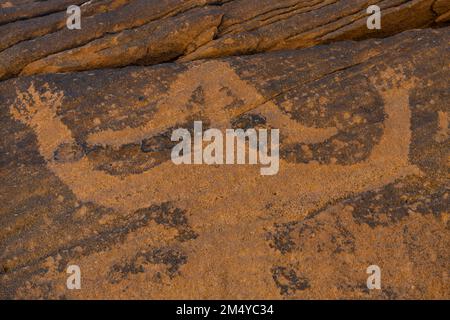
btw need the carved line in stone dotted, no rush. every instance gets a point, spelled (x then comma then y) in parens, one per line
(313, 182)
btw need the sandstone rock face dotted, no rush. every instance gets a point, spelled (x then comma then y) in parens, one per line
(86, 176)
(122, 32)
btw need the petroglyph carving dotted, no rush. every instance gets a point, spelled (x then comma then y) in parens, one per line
(212, 77)
(388, 160)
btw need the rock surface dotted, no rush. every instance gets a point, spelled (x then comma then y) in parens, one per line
(86, 176)
(122, 32)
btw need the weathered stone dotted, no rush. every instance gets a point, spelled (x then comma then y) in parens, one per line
(134, 14)
(113, 31)
(11, 11)
(152, 43)
(86, 176)
(28, 29)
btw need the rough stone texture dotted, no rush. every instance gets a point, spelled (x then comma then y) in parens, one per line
(86, 176)
(122, 32)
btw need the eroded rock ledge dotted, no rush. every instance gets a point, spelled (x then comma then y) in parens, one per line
(86, 176)
(141, 32)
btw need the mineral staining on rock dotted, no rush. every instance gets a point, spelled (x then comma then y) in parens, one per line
(86, 175)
